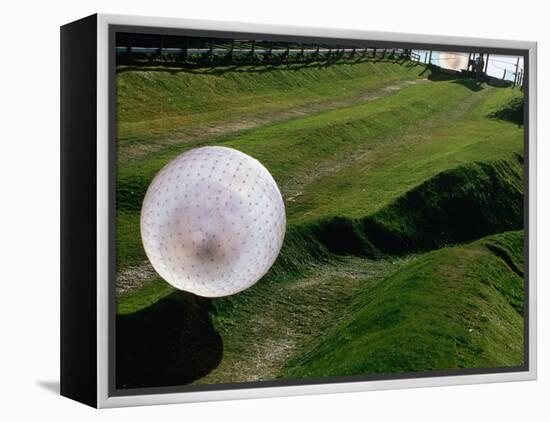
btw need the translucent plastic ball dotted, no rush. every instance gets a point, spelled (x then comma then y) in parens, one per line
(213, 221)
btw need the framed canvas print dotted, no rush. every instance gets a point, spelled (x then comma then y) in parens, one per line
(253, 210)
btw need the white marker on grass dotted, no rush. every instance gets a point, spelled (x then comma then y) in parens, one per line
(213, 221)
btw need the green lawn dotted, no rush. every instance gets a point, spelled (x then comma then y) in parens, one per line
(367, 155)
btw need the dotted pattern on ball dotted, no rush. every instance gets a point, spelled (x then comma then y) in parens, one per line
(213, 221)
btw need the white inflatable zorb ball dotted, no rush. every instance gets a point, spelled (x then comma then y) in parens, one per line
(213, 221)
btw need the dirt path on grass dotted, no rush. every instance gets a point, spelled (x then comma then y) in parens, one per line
(134, 277)
(132, 150)
(286, 317)
(369, 153)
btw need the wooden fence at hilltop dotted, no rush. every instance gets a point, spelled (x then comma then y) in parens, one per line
(182, 51)
(193, 51)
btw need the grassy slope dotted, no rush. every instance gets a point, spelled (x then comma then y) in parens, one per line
(452, 308)
(156, 104)
(359, 156)
(352, 160)
(458, 205)
(309, 289)
(268, 325)
(458, 307)
(140, 91)
(456, 131)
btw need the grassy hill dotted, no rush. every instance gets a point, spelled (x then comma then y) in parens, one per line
(457, 307)
(382, 166)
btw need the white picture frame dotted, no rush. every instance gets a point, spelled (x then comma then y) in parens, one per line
(103, 259)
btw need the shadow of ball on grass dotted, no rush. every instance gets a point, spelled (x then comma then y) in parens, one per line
(172, 342)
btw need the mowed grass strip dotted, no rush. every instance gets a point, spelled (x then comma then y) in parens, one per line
(411, 154)
(156, 104)
(293, 148)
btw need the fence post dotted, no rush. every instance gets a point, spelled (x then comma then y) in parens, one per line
(374, 53)
(211, 52)
(430, 59)
(129, 52)
(522, 78)
(516, 72)
(161, 47)
(185, 48)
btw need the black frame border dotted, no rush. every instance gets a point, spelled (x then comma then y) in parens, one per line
(78, 211)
